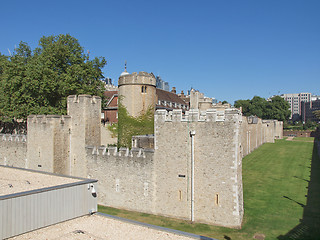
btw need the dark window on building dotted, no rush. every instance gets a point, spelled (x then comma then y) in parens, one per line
(144, 89)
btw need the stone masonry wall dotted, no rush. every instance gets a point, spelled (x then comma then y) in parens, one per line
(106, 136)
(13, 150)
(57, 143)
(126, 178)
(49, 143)
(85, 130)
(255, 132)
(158, 181)
(218, 174)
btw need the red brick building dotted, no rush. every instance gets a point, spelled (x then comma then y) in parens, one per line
(110, 110)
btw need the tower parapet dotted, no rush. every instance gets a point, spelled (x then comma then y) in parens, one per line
(194, 115)
(143, 78)
(84, 98)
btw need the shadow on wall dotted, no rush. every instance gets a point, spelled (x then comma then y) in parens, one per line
(309, 227)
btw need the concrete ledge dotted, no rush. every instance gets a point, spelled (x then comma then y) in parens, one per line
(46, 189)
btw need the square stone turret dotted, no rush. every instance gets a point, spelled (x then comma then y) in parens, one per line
(85, 111)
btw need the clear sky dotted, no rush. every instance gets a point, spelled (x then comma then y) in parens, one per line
(227, 49)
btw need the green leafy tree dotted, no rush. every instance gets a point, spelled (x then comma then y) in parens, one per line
(309, 125)
(277, 108)
(317, 114)
(245, 106)
(257, 106)
(39, 81)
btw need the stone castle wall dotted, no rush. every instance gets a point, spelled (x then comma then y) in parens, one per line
(126, 178)
(57, 143)
(217, 177)
(160, 182)
(150, 181)
(85, 111)
(255, 132)
(166, 175)
(48, 143)
(13, 150)
(106, 136)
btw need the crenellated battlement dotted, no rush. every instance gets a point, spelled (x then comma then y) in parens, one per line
(194, 115)
(13, 138)
(137, 78)
(48, 119)
(123, 152)
(84, 98)
(271, 121)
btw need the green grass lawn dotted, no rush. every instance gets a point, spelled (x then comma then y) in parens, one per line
(276, 179)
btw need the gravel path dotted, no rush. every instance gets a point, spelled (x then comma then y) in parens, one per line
(98, 227)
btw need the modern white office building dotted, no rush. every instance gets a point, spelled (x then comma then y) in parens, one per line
(295, 99)
(315, 97)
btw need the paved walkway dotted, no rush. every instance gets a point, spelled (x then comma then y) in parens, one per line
(297, 139)
(104, 227)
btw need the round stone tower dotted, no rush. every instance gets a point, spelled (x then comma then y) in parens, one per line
(137, 92)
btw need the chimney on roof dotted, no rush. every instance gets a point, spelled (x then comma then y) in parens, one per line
(182, 93)
(173, 90)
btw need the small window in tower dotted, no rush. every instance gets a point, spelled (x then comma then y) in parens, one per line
(144, 89)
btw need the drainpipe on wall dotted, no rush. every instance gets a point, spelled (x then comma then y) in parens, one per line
(70, 156)
(249, 142)
(192, 134)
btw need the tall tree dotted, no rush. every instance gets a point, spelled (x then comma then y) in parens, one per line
(258, 106)
(317, 114)
(39, 81)
(277, 108)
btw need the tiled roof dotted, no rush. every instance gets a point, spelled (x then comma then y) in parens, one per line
(169, 97)
(109, 94)
(110, 97)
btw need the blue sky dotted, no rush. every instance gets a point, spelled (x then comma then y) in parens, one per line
(227, 49)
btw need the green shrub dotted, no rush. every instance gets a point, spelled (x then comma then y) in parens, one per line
(129, 126)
